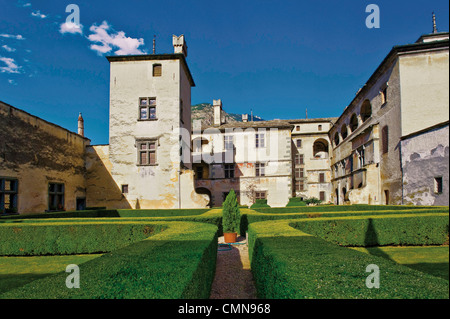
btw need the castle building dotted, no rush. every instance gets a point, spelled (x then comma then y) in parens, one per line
(389, 146)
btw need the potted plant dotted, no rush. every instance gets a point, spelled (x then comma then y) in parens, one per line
(231, 217)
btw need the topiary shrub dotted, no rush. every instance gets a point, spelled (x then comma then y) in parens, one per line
(312, 201)
(260, 203)
(231, 213)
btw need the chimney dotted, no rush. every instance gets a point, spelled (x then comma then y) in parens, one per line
(434, 24)
(245, 118)
(179, 45)
(80, 125)
(217, 104)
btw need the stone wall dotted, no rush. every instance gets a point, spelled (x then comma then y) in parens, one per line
(36, 153)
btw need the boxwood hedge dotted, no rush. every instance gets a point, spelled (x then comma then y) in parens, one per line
(178, 262)
(249, 216)
(56, 238)
(288, 263)
(375, 230)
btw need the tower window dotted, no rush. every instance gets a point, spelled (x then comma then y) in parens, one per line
(147, 108)
(147, 152)
(157, 69)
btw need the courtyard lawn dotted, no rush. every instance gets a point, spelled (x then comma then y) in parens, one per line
(430, 259)
(18, 271)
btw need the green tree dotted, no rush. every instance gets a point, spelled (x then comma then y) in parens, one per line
(231, 213)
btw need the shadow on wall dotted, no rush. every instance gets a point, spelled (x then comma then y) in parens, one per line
(101, 189)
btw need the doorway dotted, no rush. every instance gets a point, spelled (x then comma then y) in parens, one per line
(81, 203)
(386, 196)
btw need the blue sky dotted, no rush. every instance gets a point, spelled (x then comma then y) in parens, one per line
(275, 57)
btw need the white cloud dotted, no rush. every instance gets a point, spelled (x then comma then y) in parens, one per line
(38, 14)
(26, 5)
(12, 36)
(12, 82)
(71, 27)
(11, 66)
(109, 40)
(7, 48)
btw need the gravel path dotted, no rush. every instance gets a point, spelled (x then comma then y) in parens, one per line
(234, 279)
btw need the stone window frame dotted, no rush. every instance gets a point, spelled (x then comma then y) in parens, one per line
(322, 178)
(56, 190)
(323, 196)
(297, 142)
(12, 192)
(260, 169)
(228, 170)
(228, 142)
(147, 106)
(299, 159)
(299, 173)
(260, 140)
(260, 194)
(299, 185)
(157, 70)
(147, 150)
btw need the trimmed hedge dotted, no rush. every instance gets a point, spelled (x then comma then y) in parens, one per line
(260, 203)
(176, 263)
(101, 212)
(290, 264)
(249, 216)
(54, 238)
(392, 230)
(295, 202)
(342, 208)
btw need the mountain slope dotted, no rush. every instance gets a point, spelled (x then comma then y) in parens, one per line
(205, 113)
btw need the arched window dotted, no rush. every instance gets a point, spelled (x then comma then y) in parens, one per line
(353, 123)
(366, 110)
(320, 148)
(336, 139)
(344, 132)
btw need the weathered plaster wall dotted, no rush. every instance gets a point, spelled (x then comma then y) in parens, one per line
(424, 90)
(424, 157)
(276, 155)
(313, 165)
(150, 186)
(37, 153)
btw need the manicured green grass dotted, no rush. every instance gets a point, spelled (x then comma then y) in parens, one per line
(430, 259)
(18, 271)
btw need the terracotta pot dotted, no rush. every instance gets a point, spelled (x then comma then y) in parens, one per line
(230, 237)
